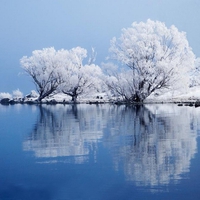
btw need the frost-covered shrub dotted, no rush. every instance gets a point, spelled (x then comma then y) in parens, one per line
(34, 94)
(5, 95)
(17, 94)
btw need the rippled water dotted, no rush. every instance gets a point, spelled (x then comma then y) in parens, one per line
(57, 152)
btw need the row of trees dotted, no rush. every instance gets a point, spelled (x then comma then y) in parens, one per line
(147, 57)
(61, 71)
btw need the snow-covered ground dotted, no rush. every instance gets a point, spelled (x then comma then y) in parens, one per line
(97, 97)
(192, 95)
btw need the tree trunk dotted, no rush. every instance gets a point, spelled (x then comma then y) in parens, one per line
(74, 98)
(136, 98)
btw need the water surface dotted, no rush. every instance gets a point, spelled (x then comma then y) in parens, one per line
(61, 152)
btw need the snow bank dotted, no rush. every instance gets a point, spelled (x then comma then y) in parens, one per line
(192, 95)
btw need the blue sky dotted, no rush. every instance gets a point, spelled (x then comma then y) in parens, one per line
(27, 25)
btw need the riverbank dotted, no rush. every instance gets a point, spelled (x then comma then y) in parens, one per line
(189, 98)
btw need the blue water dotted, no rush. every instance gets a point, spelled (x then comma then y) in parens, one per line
(100, 152)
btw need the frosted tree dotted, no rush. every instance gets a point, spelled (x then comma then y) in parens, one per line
(195, 74)
(80, 78)
(153, 57)
(44, 68)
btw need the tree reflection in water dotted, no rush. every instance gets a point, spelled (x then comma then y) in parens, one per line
(153, 144)
(66, 131)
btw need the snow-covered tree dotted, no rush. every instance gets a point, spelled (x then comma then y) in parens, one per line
(44, 68)
(154, 57)
(120, 83)
(17, 94)
(195, 74)
(79, 78)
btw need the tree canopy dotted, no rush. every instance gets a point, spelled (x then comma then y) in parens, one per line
(44, 68)
(157, 57)
(80, 78)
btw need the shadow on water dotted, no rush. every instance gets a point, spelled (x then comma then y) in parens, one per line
(152, 144)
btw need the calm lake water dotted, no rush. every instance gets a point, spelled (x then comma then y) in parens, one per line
(99, 152)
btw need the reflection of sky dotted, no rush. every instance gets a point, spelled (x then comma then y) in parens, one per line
(152, 144)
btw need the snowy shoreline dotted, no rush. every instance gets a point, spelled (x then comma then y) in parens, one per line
(54, 101)
(191, 98)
